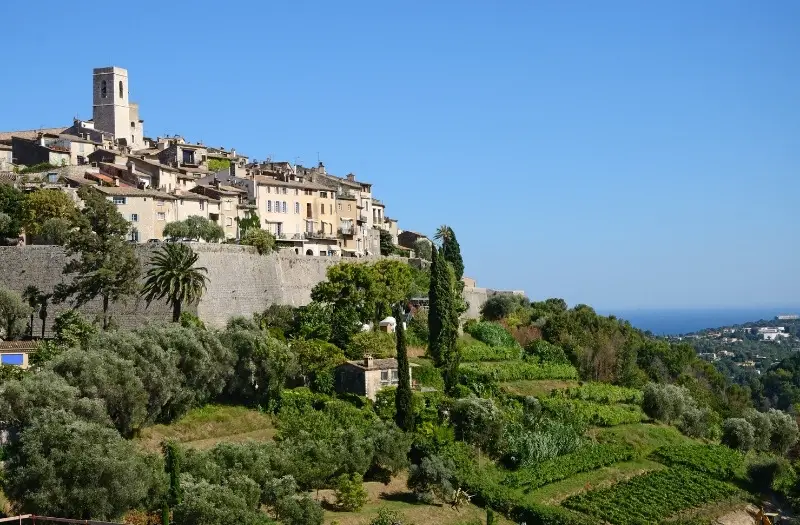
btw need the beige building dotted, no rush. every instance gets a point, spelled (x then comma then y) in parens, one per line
(147, 211)
(229, 198)
(368, 376)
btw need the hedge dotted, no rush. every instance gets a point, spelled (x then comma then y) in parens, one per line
(491, 333)
(602, 393)
(478, 351)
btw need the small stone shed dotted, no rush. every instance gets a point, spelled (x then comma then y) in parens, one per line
(367, 376)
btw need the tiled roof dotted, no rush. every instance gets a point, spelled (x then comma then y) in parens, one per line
(261, 179)
(8, 346)
(134, 192)
(377, 364)
(30, 133)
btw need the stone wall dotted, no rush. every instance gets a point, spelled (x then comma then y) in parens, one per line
(241, 282)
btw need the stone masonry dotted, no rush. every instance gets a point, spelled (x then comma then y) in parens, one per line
(241, 282)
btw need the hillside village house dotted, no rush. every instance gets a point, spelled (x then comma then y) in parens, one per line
(155, 181)
(368, 376)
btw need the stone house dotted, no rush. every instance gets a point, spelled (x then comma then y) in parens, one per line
(147, 211)
(368, 376)
(229, 197)
(407, 238)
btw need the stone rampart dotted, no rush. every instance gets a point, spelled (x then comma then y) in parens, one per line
(241, 282)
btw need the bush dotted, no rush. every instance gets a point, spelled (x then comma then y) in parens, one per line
(700, 423)
(490, 333)
(350, 492)
(418, 332)
(262, 240)
(433, 477)
(499, 307)
(375, 343)
(774, 473)
(299, 511)
(427, 375)
(477, 421)
(546, 352)
(738, 434)
(389, 517)
(514, 371)
(590, 413)
(472, 350)
(601, 393)
(529, 445)
(784, 431)
(665, 402)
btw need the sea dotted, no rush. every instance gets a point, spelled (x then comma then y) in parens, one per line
(684, 321)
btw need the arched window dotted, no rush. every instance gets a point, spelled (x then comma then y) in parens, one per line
(103, 89)
(120, 89)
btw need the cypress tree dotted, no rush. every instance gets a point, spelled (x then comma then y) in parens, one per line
(402, 397)
(173, 469)
(450, 356)
(452, 252)
(439, 298)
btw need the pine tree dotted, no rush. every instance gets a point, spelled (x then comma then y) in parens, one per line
(402, 397)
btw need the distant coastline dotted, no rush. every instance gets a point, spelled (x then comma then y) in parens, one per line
(684, 321)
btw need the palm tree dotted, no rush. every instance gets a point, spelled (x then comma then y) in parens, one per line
(443, 233)
(44, 299)
(172, 274)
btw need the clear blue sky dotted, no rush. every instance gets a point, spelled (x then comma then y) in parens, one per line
(620, 153)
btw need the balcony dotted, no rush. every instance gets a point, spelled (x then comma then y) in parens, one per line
(319, 235)
(363, 217)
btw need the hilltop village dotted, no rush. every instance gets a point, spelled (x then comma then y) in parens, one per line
(154, 182)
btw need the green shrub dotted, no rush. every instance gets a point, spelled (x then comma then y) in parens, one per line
(592, 413)
(473, 350)
(601, 393)
(715, 460)
(700, 423)
(427, 375)
(772, 472)
(738, 434)
(389, 517)
(515, 371)
(378, 344)
(490, 333)
(546, 352)
(350, 492)
(666, 402)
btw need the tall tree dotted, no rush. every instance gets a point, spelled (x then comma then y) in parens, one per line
(451, 250)
(12, 201)
(437, 305)
(31, 296)
(173, 275)
(443, 301)
(106, 265)
(172, 466)
(402, 396)
(42, 206)
(12, 309)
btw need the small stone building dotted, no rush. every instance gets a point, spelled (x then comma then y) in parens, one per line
(367, 376)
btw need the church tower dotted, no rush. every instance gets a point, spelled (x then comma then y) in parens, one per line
(112, 112)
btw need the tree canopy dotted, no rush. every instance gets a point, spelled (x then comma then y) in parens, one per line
(196, 228)
(173, 275)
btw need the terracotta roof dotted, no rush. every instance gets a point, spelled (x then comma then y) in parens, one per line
(151, 163)
(377, 364)
(134, 192)
(29, 133)
(262, 179)
(9, 346)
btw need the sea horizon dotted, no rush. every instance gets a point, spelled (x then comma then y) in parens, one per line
(676, 321)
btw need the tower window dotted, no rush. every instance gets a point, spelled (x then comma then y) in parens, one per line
(103, 89)
(120, 89)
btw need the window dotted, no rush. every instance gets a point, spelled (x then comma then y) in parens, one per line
(284, 191)
(323, 194)
(330, 209)
(395, 377)
(283, 207)
(277, 206)
(384, 377)
(269, 206)
(230, 221)
(134, 235)
(296, 191)
(119, 200)
(103, 89)
(181, 201)
(80, 147)
(322, 209)
(134, 217)
(309, 192)
(297, 207)
(202, 205)
(269, 189)
(161, 216)
(159, 202)
(349, 207)
(340, 206)
(133, 124)
(228, 205)
(120, 89)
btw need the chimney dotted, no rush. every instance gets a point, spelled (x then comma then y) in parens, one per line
(351, 177)
(369, 362)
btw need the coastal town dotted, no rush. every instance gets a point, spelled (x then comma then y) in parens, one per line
(156, 181)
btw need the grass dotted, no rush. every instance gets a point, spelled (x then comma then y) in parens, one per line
(395, 496)
(209, 425)
(644, 437)
(536, 387)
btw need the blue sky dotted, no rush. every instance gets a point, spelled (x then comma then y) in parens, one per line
(622, 154)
